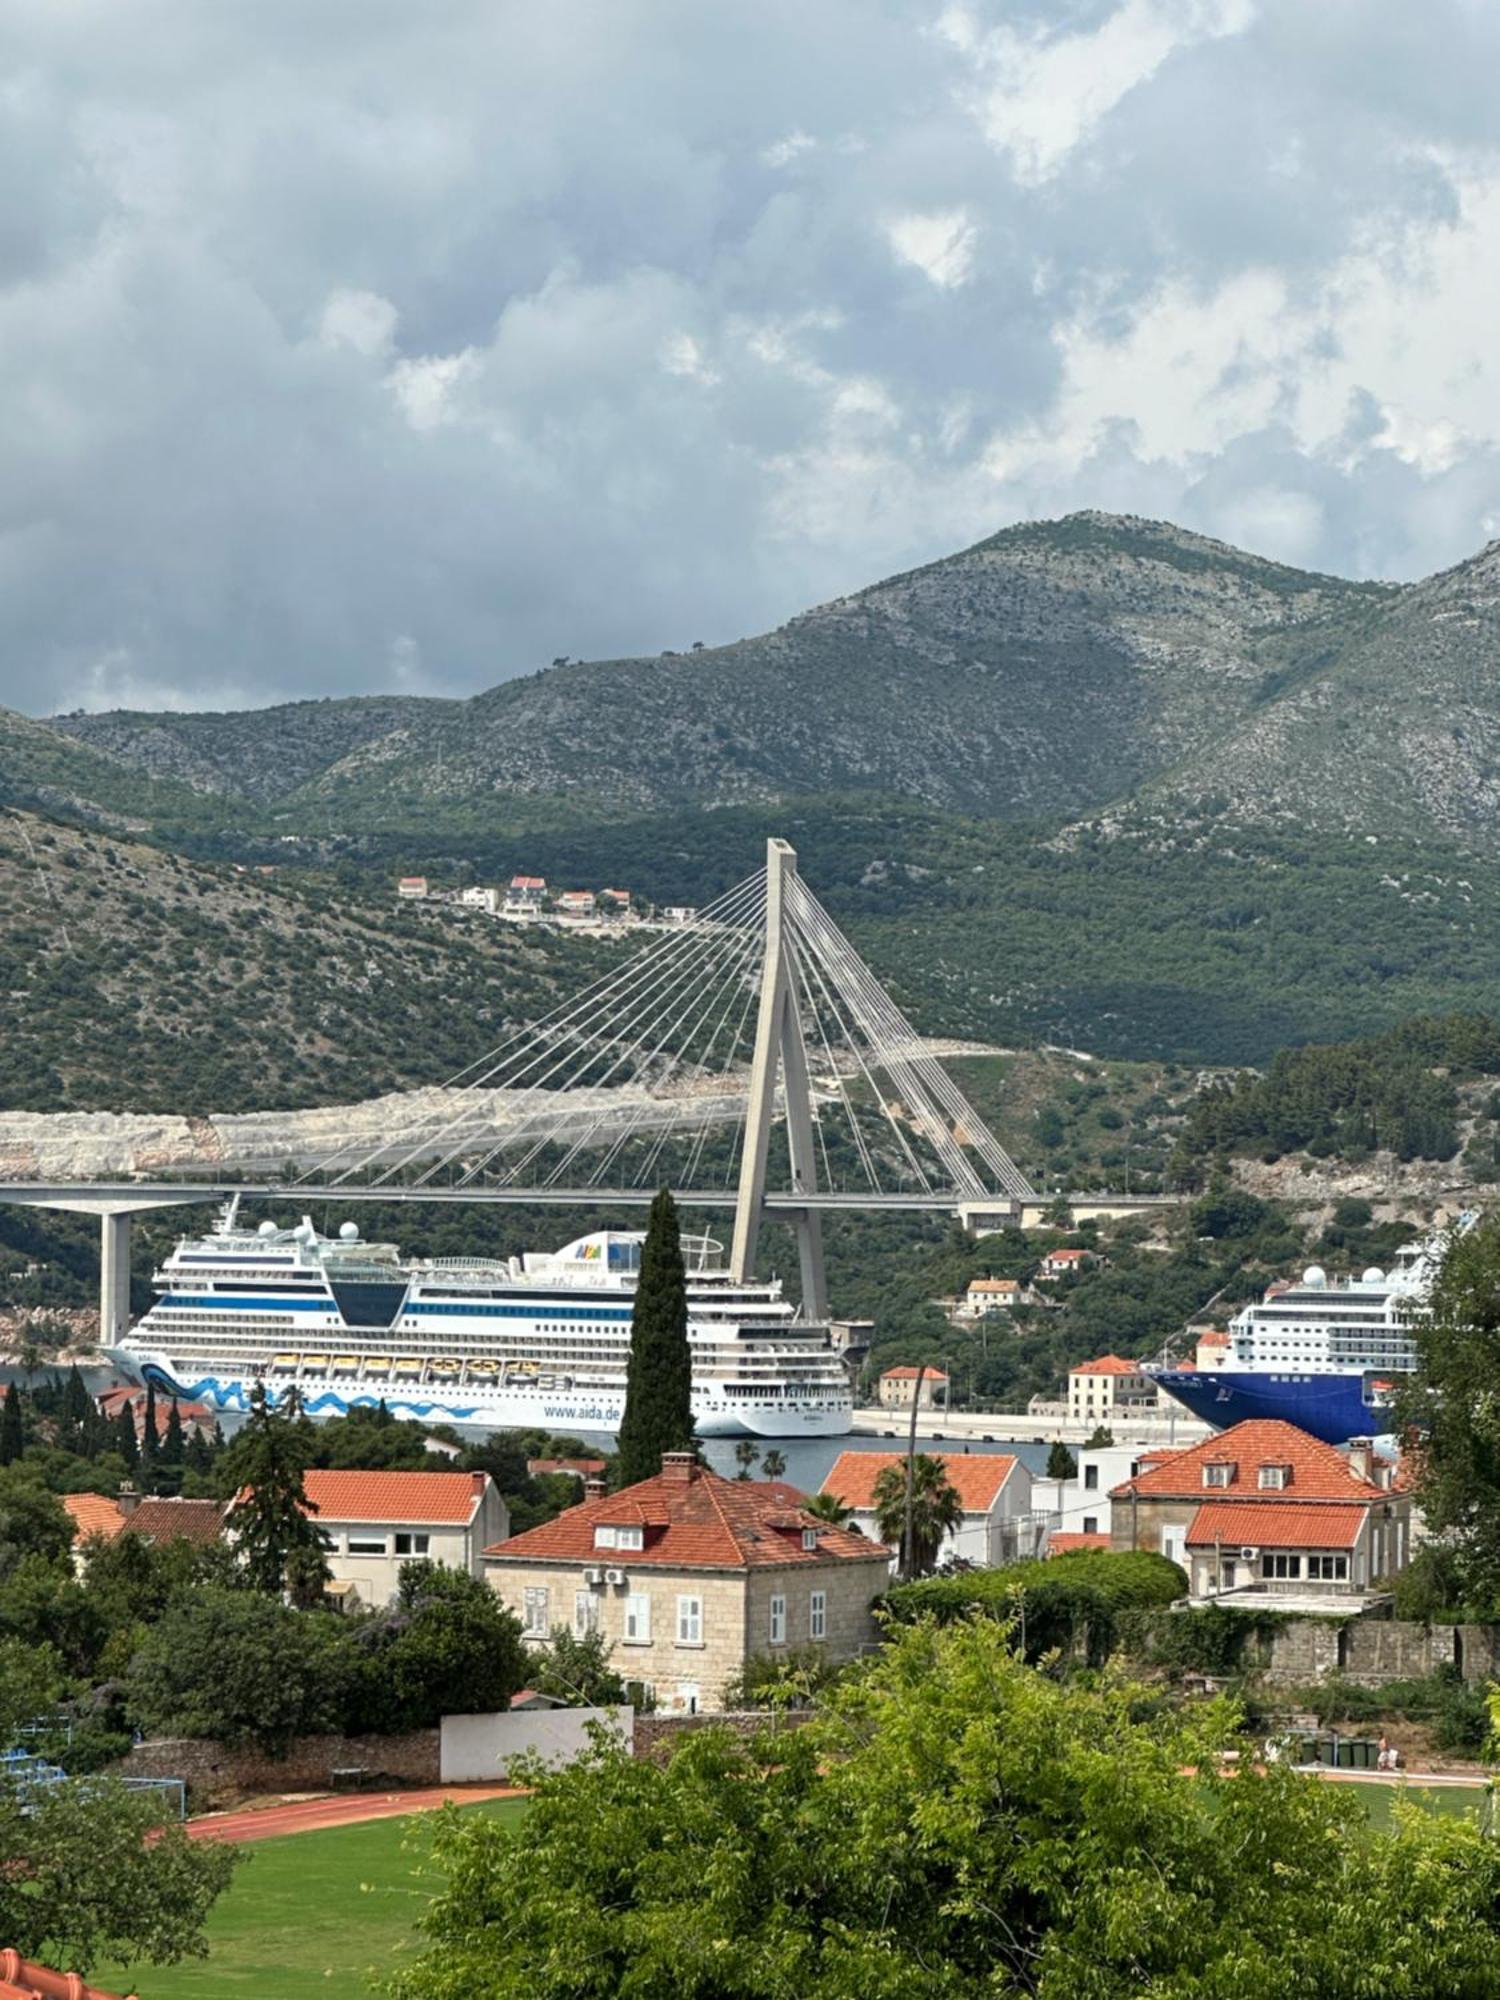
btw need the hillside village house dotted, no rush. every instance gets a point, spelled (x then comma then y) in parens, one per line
(1109, 1387)
(688, 1576)
(1066, 1263)
(479, 898)
(998, 1523)
(898, 1388)
(614, 902)
(577, 903)
(411, 888)
(526, 894)
(375, 1522)
(1264, 1513)
(994, 1295)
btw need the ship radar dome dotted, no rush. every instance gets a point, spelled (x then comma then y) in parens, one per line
(1374, 1276)
(1315, 1276)
(266, 1229)
(349, 1232)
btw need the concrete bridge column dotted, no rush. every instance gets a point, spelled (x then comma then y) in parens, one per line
(114, 1277)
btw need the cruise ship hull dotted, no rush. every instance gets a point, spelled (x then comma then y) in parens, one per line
(1332, 1407)
(717, 1412)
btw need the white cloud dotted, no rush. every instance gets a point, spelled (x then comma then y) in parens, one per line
(361, 321)
(940, 245)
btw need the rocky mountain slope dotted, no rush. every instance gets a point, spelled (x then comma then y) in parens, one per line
(1048, 670)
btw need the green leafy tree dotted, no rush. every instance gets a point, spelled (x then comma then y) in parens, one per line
(1061, 1464)
(239, 1667)
(89, 1870)
(33, 1521)
(658, 1413)
(447, 1647)
(12, 1431)
(829, 1507)
(953, 1823)
(31, 1680)
(1451, 1402)
(1100, 1438)
(773, 1464)
(270, 1519)
(936, 1510)
(577, 1671)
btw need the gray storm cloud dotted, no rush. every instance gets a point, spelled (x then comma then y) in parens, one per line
(364, 346)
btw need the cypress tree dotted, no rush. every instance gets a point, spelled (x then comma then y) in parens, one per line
(271, 1518)
(126, 1443)
(149, 1438)
(659, 1379)
(12, 1436)
(172, 1443)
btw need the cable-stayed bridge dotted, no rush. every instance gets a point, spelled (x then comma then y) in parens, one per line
(748, 1059)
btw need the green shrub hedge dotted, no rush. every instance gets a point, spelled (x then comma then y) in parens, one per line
(1070, 1605)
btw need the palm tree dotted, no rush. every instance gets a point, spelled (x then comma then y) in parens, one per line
(936, 1510)
(773, 1465)
(746, 1452)
(830, 1508)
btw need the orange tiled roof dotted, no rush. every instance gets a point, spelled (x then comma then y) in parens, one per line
(1064, 1256)
(692, 1522)
(994, 1284)
(21, 1980)
(977, 1477)
(166, 1520)
(1319, 1471)
(450, 1498)
(1069, 1544)
(908, 1374)
(1263, 1525)
(1107, 1364)
(93, 1514)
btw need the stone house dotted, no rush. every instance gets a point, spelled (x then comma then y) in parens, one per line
(984, 1295)
(1265, 1514)
(897, 1388)
(375, 1522)
(1109, 1387)
(995, 1489)
(688, 1576)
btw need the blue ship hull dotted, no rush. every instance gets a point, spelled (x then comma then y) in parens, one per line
(1332, 1407)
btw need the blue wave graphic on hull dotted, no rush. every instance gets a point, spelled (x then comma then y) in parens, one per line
(234, 1396)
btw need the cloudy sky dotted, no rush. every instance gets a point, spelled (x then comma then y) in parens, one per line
(350, 345)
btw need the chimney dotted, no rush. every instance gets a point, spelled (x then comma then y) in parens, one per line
(679, 1468)
(1362, 1457)
(128, 1499)
(593, 1487)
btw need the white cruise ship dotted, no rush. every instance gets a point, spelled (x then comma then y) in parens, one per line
(1321, 1353)
(539, 1340)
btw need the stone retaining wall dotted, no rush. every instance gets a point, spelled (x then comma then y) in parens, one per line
(212, 1768)
(660, 1736)
(1373, 1650)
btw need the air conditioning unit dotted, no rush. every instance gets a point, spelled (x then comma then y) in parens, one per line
(615, 1576)
(593, 1576)
(1249, 1555)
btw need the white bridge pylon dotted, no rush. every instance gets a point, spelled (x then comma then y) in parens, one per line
(747, 1046)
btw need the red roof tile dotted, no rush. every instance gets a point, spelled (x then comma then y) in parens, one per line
(21, 1980)
(1254, 1523)
(1319, 1471)
(1107, 1364)
(1065, 1256)
(904, 1373)
(166, 1520)
(450, 1498)
(1067, 1545)
(977, 1477)
(696, 1522)
(93, 1514)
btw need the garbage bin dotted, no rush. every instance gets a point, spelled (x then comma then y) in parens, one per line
(1328, 1750)
(1345, 1747)
(1364, 1753)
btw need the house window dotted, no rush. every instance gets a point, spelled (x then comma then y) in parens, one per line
(368, 1545)
(1287, 1568)
(1219, 1473)
(604, 1538)
(778, 1621)
(630, 1538)
(585, 1613)
(817, 1615)
(638, 1620)
(1091, 1524)
(809, 1539)
(534, 1622)
(1091, 1479)
(1275, 1478)
(1329, 1569)
(690, 1621)
(412, 1545)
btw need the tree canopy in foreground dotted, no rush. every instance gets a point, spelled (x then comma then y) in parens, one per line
(955, 1823)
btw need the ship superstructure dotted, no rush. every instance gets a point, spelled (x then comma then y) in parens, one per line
(537, 1340)
(1322, 1353)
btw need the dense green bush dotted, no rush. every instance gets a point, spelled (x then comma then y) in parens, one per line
(1070, 1604)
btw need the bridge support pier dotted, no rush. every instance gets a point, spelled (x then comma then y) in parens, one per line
(114, 1213)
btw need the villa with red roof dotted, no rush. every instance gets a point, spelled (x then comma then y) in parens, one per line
(1109, 1387)
(688, 1576)
(995, 1489)
(374, 1522)
(898, 1386)
(1268, 1514)
(1066, 1263)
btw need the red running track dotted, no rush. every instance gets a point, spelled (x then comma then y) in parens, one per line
(343, 1809)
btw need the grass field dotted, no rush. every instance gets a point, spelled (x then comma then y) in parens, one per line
(310, 1914)
(1462, 1801)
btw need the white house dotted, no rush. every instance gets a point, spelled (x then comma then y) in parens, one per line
(526, 894)
(577, 903)
(1066, 1263)
(994, 1295)
(1080, 1507)
(1108, 1387)
(994, 1487)
(374, 1522)
(477, 898)
(897, 1388)
(411, 888)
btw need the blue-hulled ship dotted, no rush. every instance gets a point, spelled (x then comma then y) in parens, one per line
(1318, 1352)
